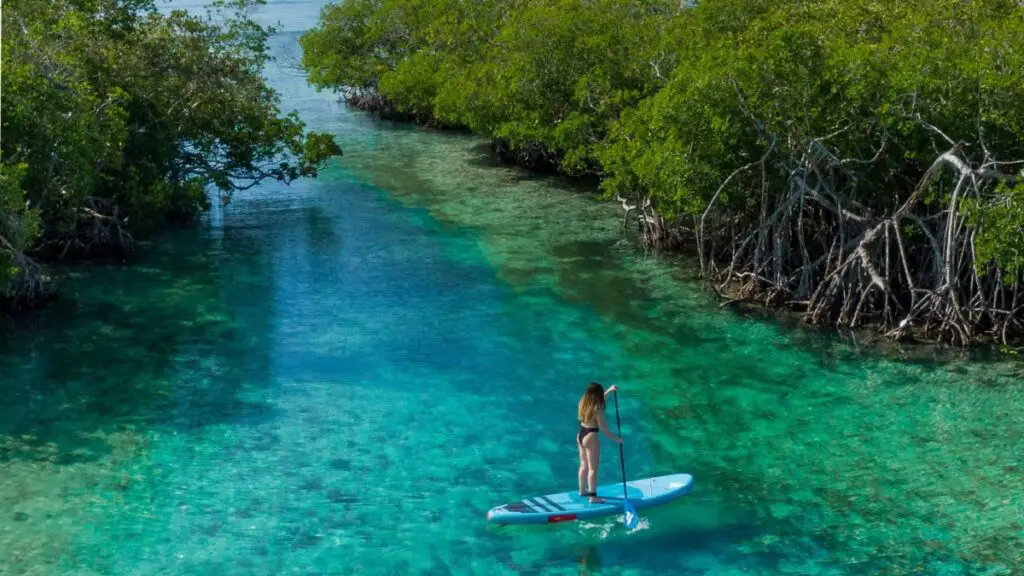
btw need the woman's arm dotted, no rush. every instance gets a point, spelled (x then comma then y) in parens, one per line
(603, 425)
(610, 390)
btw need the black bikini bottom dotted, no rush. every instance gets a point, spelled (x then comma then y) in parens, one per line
(583, 433)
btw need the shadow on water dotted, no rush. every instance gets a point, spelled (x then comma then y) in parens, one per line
(590, 273)
(170, 342)
(682, 541)
(612, 550)
(483, 155)
(319, 228)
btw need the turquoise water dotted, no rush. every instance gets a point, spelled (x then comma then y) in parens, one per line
(342, 376)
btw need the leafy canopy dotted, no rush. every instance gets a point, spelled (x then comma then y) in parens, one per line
(112, 99)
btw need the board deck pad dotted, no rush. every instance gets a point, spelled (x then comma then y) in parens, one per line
(569, 506)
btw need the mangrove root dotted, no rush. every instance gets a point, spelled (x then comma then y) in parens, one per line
(909, 270)
(99, 231)
(30, 287)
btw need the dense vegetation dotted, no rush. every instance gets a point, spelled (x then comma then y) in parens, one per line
(118, 119)
(858, 160)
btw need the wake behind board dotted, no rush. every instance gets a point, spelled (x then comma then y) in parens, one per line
(569, 506)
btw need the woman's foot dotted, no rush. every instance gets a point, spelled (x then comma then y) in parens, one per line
(597, 500)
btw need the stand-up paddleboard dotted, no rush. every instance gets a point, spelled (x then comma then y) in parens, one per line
(569, 506)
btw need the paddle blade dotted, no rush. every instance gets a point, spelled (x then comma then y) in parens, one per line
(630, 519)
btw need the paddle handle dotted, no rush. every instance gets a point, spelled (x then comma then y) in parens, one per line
(622, 454)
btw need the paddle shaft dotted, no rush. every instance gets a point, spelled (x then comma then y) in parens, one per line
(622, 456)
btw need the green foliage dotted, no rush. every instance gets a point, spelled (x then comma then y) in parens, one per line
(670, 98)
(1000, 236)
(111, 99)
(360, 41)
(554, 73)
(853, 75)
(19, 223)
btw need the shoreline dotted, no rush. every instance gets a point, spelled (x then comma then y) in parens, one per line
(100, 150)
(806, 175)
(912, 341)
(906, 341)
(911, 344)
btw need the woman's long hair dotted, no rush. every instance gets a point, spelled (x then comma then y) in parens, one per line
(591, 402)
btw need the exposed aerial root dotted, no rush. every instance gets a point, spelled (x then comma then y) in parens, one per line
(846, 265)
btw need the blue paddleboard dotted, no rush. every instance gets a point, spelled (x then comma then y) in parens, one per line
(569, 506)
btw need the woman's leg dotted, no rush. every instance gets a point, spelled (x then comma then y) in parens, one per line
(592, 445)
(584, 469)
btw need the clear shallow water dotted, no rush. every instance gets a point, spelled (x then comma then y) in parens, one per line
(342, 376)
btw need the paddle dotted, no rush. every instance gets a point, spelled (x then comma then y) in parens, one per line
(629, 517)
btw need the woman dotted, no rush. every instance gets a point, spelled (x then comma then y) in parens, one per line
(591, 414)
